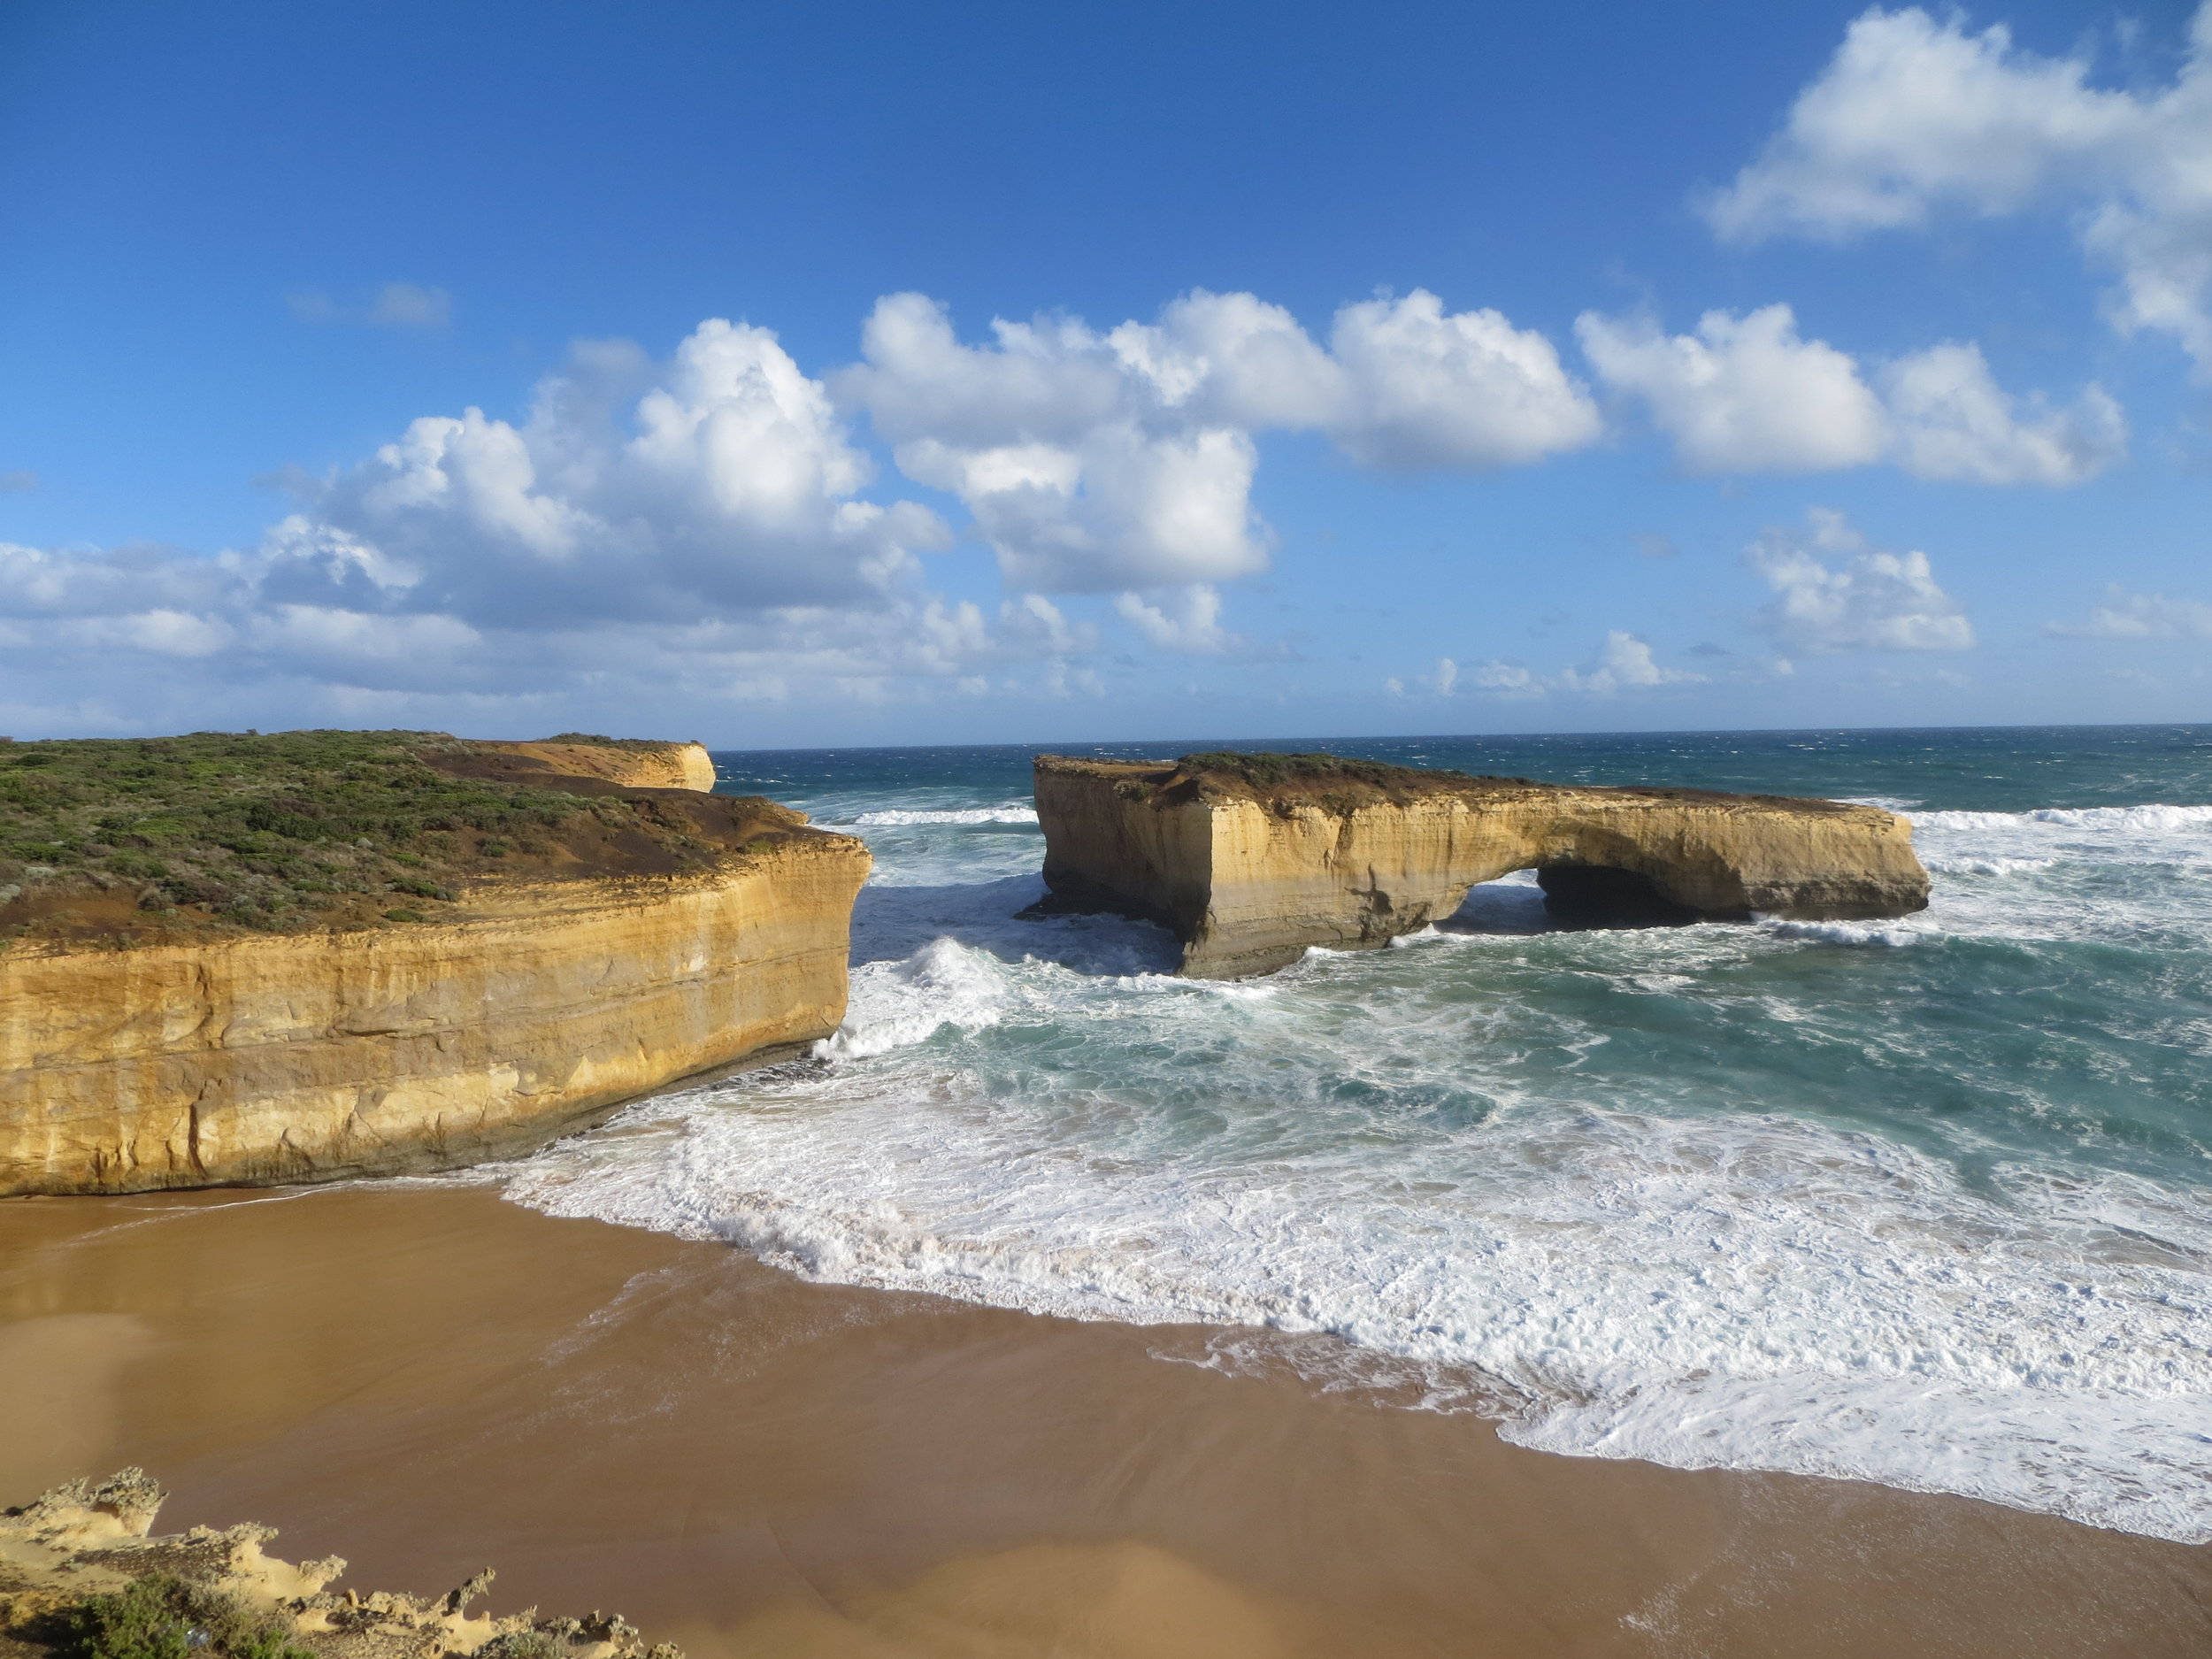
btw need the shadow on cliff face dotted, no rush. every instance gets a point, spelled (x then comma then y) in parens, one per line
(891, 923)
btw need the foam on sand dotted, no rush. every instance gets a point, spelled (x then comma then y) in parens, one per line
(1704, 1196)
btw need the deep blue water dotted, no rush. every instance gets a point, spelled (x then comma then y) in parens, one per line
(1928, 1203)
(2000, 769)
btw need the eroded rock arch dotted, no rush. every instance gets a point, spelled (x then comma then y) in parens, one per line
(1251, 859)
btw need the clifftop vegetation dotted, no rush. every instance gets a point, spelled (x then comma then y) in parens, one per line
(1342, 783)
(127, 838)
(1336, 781)
(1268, 771)
(637, 745)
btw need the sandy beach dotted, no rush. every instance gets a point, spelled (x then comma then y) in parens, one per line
(429, 1379)
(1151, 831)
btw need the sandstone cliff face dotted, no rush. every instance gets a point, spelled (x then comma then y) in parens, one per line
(635, 766)
(1248, 876)
(521, 1014)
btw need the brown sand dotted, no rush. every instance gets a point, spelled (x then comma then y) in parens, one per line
(429, 1380)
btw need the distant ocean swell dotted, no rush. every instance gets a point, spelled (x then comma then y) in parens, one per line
(1755, 1197)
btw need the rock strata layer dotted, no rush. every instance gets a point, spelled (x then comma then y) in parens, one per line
(522, 1011)
(1251, 859)
(632, 763)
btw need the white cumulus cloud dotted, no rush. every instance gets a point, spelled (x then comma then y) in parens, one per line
(1045, 437)
(1742, 395)
(1424, 388)
(1626, 662)
(1950, 419)
(1033, 621)
(1122, 460)
(719, 481)
(1440, 681)
(1750, 395)
(1867, 600)
(1179, 620)
(1914, 117)
(676, 531)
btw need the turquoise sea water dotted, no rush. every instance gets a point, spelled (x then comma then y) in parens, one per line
(1926, 1201)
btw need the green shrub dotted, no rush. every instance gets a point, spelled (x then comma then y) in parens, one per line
(267, 832)
(138, 865)
(405, 915)
(164, 1616)
(598, 741)
(527, 1643)
(255, 831)
(1264, 770)
(1323, 778)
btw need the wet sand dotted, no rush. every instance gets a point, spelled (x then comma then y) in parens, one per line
(428, 1380)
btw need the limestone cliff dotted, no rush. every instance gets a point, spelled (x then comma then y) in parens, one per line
(670, 934)
(509, 1020)
(1251, 859)
(83, 1558)
(632, 761)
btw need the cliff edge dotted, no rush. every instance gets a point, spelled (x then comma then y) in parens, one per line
(83, 1575)
(635, 762)
(313, 956)
(1250, 859)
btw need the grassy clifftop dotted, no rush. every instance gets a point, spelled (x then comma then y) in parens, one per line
(1282, 781)
(1342, 783)
(1265, 770)
(127, 838)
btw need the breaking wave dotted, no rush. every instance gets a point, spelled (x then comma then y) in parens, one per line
(892, 818)
(1937, 1216)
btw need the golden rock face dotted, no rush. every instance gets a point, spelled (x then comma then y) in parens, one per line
(633, 765)
(520, 1016)
(1248, 875)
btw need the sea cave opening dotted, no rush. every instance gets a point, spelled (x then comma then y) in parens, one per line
(1602, 895)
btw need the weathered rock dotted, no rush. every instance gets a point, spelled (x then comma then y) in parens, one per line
(525, 1011)
(634, 763)
(86, 1539)
(1250, 860)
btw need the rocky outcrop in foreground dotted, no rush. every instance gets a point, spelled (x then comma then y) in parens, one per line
(659, 935)
(80, 1574)
(1250, 859)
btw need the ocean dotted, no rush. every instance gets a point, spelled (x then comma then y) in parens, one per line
(1925, 1202)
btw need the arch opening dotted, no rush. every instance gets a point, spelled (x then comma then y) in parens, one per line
(1603, 896)
(1507, 903)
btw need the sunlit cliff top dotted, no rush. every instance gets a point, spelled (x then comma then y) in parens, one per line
(129, 840)
(1338, 782)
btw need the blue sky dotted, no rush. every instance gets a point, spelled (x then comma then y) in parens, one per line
(870, 374)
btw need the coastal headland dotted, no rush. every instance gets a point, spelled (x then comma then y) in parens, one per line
(252, 960)
(1250, 859)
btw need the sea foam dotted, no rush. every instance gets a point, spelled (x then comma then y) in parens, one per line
(1706, 1196)
(892, 818)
